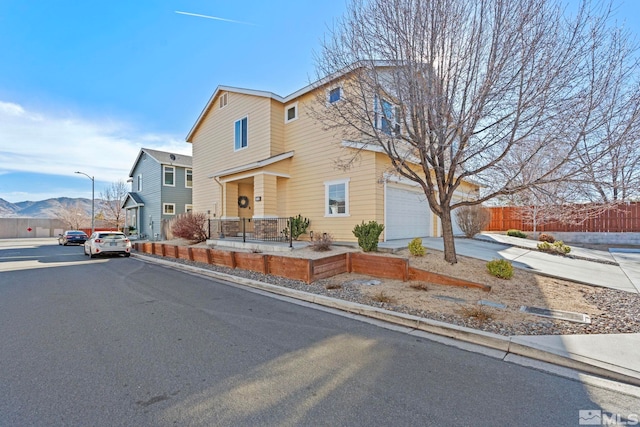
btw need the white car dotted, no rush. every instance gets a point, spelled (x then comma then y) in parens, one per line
(107, 242)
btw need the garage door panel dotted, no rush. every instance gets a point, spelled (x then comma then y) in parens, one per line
(408, 214)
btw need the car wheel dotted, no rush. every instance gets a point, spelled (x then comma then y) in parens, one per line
(91, 255)
(59, 243)
(127, 255)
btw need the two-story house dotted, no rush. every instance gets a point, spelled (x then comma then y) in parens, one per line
(260, 155)
(161, 188)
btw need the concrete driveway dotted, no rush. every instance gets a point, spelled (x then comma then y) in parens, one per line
(625, 277)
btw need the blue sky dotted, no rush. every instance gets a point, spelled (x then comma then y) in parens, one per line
(85, 85)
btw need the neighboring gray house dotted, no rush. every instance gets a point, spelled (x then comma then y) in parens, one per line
(161, 186)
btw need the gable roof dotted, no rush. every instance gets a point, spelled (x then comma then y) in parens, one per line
(318, 83)
(163, 158)
(137, 200)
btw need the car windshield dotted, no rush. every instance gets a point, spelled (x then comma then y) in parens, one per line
(111, 236)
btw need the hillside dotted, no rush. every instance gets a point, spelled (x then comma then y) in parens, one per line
(45, 208)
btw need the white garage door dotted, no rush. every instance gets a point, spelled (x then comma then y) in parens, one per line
(408, 214)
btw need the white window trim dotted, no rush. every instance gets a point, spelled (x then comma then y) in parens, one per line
(327, 212)
(286, 111)
(188, 208)
(234, 133)
(379, 114)
(139, 183)
(164, 172)
(164, 208)
(329, 94)
(224, 100)
(185, 178)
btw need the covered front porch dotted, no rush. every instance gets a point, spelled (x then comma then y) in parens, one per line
(252, 192)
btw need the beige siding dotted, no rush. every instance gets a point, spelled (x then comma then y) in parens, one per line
(277, 128)
(314, 164)
(297, 184)
(213, 144)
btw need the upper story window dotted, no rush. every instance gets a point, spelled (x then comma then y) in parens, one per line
(386, 116)
(169, 176)
(169, 208)
(240, 134)
(337, 197)
(291, 112)
(188, 178)
(335, 94)
(139, 183)
(224, 99)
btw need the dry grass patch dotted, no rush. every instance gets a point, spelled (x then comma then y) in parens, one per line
(478, 312)
(419, 286)
(383, 298)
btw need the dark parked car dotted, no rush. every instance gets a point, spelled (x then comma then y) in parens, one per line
(72, 236)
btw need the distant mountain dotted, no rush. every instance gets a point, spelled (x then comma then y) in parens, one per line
(45, 208)
(7, 209)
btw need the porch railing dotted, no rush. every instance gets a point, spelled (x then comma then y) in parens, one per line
(252, 229)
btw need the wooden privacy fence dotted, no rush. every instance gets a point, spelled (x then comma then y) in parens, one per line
(624, 217)
(306, 270)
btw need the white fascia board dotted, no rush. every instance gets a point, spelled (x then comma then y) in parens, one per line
(254, 165)
(249, 175)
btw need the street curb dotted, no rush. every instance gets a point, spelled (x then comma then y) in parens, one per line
(509, 345)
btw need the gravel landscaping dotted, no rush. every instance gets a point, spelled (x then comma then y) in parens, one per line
(611, 311)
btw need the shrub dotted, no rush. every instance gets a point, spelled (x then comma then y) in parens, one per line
(416, 248)
(500, 268)
(557, 247)
(322, 243)
(299, 227)
(544, 246)
(472, 219)
(560, 247)
(368, 235)
(544, 237)
(516, 233)
(191, 226)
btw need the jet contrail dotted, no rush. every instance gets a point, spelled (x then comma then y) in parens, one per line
(213, 17)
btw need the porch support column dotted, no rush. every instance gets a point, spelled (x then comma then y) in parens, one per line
(265, 187)
(230, 200)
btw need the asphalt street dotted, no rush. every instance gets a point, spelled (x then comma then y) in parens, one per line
(119, 342)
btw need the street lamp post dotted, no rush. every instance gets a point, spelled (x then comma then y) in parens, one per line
(93, 198)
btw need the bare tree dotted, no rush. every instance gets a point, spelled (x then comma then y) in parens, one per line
(112, 198)
(447, 89)
(73, 215)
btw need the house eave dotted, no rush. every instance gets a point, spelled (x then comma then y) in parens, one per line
(253, 165)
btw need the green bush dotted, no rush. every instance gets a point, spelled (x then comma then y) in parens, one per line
(544, 246)
(544, 237)
(500, 268)
(368, 235)
(516, 233)
(557, 247)
(299, 227)
(416, 248)
(560, 247)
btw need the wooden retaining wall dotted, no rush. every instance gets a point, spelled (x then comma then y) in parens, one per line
(308, 270)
